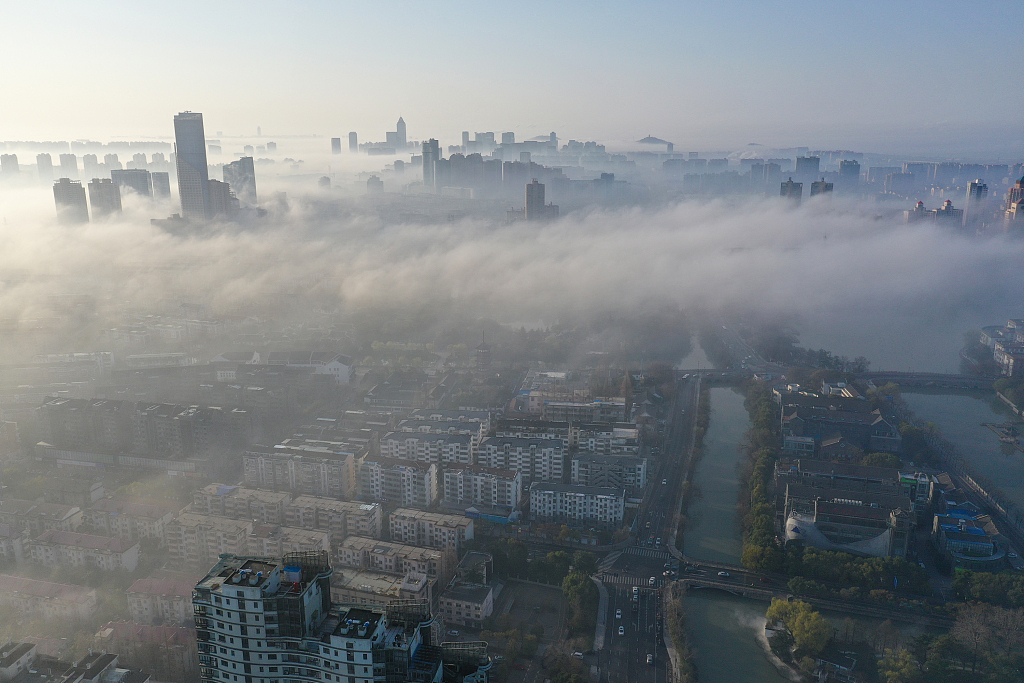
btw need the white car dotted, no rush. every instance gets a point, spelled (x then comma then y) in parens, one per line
(618, 614)
(651, 581)
(650, 659)
(664, 481)
(622, 630)
(724, 575)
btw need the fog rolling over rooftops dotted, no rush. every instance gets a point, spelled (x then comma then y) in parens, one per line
(836, 264)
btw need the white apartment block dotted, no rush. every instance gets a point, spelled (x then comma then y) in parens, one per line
(473, 429)
(539, 460)
(198, 540)
(312, 468)
(577, 505)
(71, 549)
(132, 521)
(236, 502)
(598, 410)
(609, 438)
(614, 471)
(339, 517)
(165, 600)
(466, 605)
(481, 417)
(395, 558)
(484, 486)
(47, 600)
(430, 529)
(439, 449)
(403, 482)
(271, 541)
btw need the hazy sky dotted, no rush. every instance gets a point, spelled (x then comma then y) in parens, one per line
(707, 75)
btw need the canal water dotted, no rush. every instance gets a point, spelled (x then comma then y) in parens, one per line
(726, 631)
(960, 419)
(712, 531)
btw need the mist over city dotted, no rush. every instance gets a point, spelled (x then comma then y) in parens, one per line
(594, 343)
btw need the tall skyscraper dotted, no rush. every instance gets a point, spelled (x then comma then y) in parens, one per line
(69, 166)
(431, 153)
(161, 184)
(139, 180)
(807, 166)
(69, 196)
(508, 138)
(9, 164)
(111, 162)
(104, 197)
(535, 209)
(534, 200)
(792, 190)
(335, 145)
(820, 187)
(44, 164)
(353, 142)
(849, 172)
(90, 166)
(400, 129)
(241, 175)
(193, 173)
(223, 201)
(977, 191)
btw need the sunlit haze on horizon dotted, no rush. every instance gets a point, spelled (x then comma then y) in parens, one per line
(931, 78)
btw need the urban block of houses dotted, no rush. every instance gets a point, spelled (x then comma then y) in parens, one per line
(31, 597)
(430, 529)
(71, 549)
(128, 520)
(161, 601)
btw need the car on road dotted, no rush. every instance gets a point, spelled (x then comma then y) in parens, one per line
(618, 614)
(724, 575)
(622, 630)
(1012, 555)
(650, 659)
(577, 655)
(651, 581)
(453, 632)
(669, 573)
(664, 482)
(636, 589)
(658, 542)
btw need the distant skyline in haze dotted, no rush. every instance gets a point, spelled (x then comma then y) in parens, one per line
(934, 77)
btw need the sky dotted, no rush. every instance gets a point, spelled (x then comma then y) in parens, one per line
(868, 75)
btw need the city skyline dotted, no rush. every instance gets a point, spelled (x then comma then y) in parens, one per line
(702, 76)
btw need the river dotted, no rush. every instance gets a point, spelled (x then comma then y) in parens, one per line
(726, 631)
(960, 420)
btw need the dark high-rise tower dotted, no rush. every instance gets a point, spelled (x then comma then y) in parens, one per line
(534, 200)
(335, 145)
(400, 129)
(138, 179)
(820, 187)
(104, 197)
(69, 195)
(353, 142)
(190, 158)
(792, 190)
(431, 153)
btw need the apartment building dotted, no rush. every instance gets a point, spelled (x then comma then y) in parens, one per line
(539, 460)
(236, 502)
(305, 466)
(436, 448)
(71, 549)
(430, 529)
(395, 558)
(402, 482)
(615, 471)
(339, 517)
(132, 521)
(272, 541)
(166, 601)
(577, 505)
(45, 599)
(483, 486)
(197, 540)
